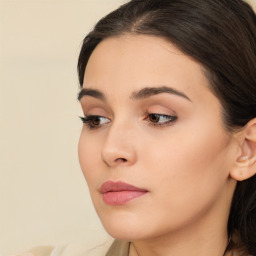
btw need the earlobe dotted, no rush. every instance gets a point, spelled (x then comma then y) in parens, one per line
(245, 168)
(245, 164)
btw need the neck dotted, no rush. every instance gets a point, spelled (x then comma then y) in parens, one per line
(208, 244)
(207, 236)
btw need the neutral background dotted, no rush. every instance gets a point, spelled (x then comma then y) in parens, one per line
(43, 195)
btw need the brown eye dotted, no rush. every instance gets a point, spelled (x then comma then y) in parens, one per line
(154, 118)
(94, 122)
(160, 119)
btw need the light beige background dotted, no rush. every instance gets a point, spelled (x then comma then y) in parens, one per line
(43, 195)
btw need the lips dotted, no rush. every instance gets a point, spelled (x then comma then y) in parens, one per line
(119, 193)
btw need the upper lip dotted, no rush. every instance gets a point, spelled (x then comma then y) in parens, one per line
(111, 186)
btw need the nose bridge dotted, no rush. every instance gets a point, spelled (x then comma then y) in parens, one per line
(119, 146)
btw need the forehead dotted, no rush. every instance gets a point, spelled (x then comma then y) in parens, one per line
(130, 62)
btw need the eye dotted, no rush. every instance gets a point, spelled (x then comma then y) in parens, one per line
(160, 119)
(94, 121)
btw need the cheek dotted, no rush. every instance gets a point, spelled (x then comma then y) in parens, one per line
(188, 177)
(88, 153)
(193, 144)
(191, 163)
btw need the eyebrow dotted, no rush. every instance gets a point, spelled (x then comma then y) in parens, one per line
(141, 94)
(151, 91)
(91, 92)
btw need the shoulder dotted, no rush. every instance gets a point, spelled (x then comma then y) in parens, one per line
(41, 251)
(36, 251)
(72, 249)
(47, 251)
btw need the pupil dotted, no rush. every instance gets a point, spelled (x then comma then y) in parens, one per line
(96, 121)
(154, 118)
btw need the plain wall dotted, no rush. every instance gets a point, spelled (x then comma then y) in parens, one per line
(43, 195)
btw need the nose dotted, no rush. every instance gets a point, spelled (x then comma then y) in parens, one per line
(119, 146)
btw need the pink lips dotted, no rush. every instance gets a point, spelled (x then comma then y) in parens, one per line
(119, 193)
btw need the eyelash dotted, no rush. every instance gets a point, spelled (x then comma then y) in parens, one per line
(89, 119)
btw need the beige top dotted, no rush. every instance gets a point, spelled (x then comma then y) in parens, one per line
(118, 248)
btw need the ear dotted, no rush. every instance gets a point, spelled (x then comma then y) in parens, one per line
(245, 164)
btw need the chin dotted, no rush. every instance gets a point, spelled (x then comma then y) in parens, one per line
(124, 228)
(124, 234)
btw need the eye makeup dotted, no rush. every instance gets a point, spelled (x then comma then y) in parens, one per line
(94, 121)
(160, 120)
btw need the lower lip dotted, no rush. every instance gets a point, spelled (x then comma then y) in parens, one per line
(121, 197)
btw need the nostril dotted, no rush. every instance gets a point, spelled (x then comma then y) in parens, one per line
(123, 160)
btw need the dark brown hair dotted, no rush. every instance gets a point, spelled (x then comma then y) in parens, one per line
(219, 34)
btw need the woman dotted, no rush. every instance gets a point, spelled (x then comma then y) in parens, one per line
(168, 146)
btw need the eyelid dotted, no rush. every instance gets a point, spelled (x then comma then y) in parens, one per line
(93, 106)
(160, 109)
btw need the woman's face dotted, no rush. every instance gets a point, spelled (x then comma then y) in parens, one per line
(152, 122)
